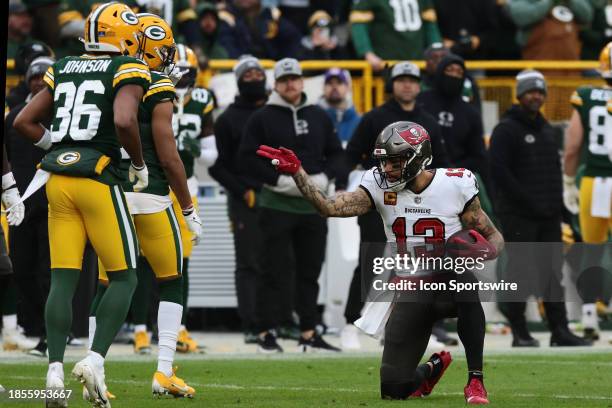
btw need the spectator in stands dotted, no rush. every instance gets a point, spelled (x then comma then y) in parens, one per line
(503, 39)
(19, 28)
(44, 14)
(320, 43)
(248, 28)
(26, 53)
(209, 28)
(548, 30)
(526, 169)
(337, 103)
(599, 33)
(384, 30)
(404, 83)
(460, 122)
(293, 235)
(433, 55)
(299, 11)
(29, 248)
(242, 187)
(467, 26)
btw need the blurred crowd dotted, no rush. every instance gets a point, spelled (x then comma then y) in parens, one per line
(374, 30)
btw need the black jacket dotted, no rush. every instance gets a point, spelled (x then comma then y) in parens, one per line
(360, 147)
(229, 130)
(460, 124)
(24, 157)
(526, 166)
(307, 130)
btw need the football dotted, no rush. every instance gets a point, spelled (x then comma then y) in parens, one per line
(469, 243)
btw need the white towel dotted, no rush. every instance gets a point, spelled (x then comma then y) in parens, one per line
(374, 318)
(40, 179)
(601, 198)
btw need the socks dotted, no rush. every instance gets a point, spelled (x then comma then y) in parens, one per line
(9, 322)
(589, 316)
(92, 331)
(113, 309)
(185, 274)
(140, 328)
(56, 368)
(475, 374)
(142, 295)
(58, 311)
(96, 360)
(168, 322)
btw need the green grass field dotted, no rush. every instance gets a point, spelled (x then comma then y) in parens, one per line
(517, 380)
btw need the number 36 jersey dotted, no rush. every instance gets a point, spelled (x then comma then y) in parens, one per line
(431, 216)
(84, 90)
(590, 103)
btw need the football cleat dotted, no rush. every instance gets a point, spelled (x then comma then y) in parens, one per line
(14, 339)
(475, 393)
(55, 382)
(142, 343)
(428, 385)
(315, 343)
(173, 385)
(184, 342)
(93, 380)
(108, 394)
(591, 334)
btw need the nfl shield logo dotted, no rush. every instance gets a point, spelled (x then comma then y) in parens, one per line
(418, 200)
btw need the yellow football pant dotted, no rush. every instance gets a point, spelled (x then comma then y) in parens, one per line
(81, 209)
(186, 235)
(160, 242)
(594, 230)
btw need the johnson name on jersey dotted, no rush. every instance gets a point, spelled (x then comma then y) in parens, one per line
(431, 216)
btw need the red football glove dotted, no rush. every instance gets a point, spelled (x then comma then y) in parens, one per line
(283, 159)
(472, 246)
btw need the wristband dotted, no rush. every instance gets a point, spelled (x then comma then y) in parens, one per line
(8, 181)
(137, 168)
(188, 210)
(45, 141)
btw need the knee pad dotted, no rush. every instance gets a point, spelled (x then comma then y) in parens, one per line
(171, 290)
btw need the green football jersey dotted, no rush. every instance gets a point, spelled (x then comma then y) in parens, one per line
(160, 90)
(396, 28)
(188, 123)
(590, 103)
(84, 90)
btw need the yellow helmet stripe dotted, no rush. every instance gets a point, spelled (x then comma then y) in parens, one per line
(93, 23)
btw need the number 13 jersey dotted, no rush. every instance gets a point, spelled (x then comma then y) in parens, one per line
(430, 216)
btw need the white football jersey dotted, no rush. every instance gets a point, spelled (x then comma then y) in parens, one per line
(430, 216)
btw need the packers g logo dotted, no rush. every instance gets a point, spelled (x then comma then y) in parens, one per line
(155, 33)
(68, 158)
(129, 17)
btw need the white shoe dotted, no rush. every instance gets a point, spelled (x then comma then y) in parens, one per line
(349, 338)
(14, 339)
(55, 382)
(93, 379)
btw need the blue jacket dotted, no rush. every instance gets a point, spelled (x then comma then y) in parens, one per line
(345, 122)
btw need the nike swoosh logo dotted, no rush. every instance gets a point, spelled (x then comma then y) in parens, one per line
(184, 389)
